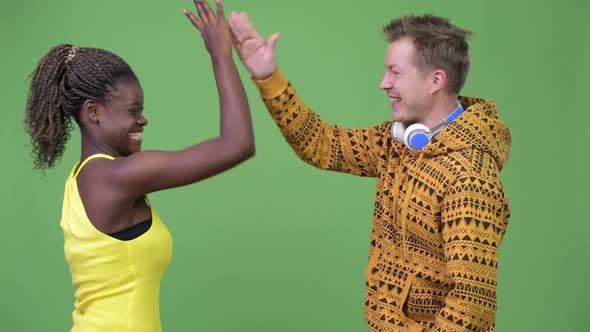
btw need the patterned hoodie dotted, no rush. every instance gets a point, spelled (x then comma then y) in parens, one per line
(440, 212)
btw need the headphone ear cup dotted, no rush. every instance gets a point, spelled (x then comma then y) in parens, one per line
(416, 136)
(397, 131)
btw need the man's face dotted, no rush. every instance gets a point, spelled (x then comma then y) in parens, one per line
(406, 85)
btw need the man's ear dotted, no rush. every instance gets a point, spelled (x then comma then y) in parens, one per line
(90, 110)
(439, 78)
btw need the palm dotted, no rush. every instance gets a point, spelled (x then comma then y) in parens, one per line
(253, 48)
(257, 54)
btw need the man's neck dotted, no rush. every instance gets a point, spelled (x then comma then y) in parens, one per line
(441, 110)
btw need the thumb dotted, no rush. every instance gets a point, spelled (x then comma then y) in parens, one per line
(272, 40)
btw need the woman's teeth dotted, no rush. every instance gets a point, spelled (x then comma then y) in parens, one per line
(136, 136)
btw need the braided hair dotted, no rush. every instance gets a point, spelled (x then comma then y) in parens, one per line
(65, 77)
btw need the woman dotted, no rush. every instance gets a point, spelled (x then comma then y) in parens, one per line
(115, 244)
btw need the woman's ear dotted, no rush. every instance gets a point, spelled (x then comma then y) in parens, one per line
(90, 110)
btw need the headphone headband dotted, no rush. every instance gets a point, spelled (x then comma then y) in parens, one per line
(418, 135)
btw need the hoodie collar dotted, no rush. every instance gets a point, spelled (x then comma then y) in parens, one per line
(477, 128)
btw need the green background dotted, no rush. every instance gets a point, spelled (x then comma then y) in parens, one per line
(274, 244)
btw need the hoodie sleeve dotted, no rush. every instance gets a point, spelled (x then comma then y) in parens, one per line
(328, 147)
(475, 214)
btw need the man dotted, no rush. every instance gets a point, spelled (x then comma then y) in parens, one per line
(440, 211)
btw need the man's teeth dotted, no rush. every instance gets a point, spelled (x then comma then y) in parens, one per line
(396, 99)
(136, 136)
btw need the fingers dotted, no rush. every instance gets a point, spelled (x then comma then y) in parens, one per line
(207, 10)
(242, 28)
(219, 5)
(234, 41)
(235, 28)
(205, 13)
(239, 27)
(272, 40)
(194, 20)
(201, 11)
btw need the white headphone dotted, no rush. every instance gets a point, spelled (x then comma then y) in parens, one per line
(416, 136)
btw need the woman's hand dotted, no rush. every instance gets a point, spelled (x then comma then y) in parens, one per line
(213, 27)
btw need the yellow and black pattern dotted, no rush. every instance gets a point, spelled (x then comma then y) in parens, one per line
(327, 147)
(440, 213)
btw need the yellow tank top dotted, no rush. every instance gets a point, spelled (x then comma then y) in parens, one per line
(117, 282)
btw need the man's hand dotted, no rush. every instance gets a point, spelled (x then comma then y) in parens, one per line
(257, 54)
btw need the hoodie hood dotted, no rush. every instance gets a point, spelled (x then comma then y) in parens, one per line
(478, 127)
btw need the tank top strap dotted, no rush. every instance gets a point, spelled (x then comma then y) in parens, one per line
(94, 156)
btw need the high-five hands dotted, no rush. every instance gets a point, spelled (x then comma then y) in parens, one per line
(257, 54)
(213, 27)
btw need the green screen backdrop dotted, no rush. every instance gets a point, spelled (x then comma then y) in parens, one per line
(275, 244)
